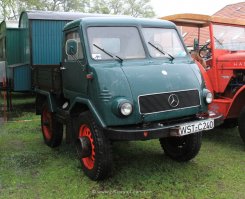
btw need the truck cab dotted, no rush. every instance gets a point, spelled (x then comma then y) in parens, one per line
(123, 78)
(221, 44)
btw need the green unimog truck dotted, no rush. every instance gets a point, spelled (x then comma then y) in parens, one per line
(122, 78)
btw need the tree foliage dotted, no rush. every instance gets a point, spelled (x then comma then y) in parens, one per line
(10, 9)
(136, 8)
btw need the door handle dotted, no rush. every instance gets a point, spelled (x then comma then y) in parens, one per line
(62, 68)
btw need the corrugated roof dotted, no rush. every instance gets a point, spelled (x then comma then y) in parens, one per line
(8, 24)
(12, 24)
(53, 15)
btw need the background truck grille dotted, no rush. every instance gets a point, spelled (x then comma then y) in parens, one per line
(160, 102)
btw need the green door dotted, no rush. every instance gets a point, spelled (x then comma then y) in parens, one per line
(73, 68)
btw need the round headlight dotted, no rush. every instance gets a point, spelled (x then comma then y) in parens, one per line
(209, 97)
(126, 108)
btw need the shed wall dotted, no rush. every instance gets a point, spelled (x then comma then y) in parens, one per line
(47, 41)
(13, 46)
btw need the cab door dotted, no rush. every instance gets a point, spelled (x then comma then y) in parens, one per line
(73, 67)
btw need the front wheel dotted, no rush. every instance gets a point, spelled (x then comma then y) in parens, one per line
(93, 148)
(241, 124)
(182, 148)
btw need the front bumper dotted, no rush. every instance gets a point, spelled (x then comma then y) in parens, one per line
(154, 130)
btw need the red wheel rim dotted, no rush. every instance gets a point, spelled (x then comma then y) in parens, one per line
(47, 124)
(88, 161)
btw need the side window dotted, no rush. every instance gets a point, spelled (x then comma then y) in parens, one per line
(79, 55)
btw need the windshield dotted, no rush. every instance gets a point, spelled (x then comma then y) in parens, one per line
(108, 43)
(165, 40)
(229, 37)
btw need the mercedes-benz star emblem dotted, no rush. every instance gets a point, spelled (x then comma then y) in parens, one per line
(164, 72)
(173, 100)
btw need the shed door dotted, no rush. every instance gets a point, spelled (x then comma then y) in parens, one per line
(73, 76)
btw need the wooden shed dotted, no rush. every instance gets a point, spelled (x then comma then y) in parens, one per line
(10, 57)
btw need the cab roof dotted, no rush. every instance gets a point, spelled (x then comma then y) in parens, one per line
(119, 21)
(198, 20)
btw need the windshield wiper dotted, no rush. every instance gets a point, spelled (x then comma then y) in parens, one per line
(161, 51)
(109, 54)
(218, 41)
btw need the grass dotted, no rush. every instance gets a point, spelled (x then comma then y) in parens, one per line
(30, 169)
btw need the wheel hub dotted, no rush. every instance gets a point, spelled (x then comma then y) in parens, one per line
(86, 147)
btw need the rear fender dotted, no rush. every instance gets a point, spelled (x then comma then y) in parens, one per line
(48, 98)
(237, 103)
(40, 100)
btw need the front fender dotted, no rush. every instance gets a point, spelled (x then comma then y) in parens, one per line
(205, 77)
(91, 107)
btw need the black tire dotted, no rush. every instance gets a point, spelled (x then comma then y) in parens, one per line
(51, 129)
(241, 124)
(98, 165)
(229, 123)
(182, 148)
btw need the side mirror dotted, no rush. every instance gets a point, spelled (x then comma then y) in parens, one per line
(196, 45)
(71, 47)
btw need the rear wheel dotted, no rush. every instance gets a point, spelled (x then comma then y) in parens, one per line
(51, 129)
(182, 148)
(241, 124)
(93, 148)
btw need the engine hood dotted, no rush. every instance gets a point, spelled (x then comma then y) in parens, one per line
(162, 78)
(132, 80)
(234, 60)
(234, 56)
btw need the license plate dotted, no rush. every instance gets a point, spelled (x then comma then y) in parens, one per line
(194, 127)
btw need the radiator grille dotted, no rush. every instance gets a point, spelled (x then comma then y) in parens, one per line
(161, 102)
